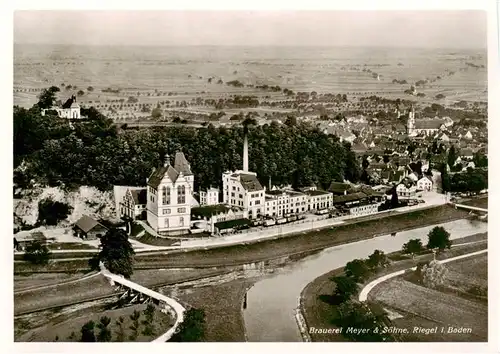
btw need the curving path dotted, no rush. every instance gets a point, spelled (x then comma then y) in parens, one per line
(363, 295)
(172, 303)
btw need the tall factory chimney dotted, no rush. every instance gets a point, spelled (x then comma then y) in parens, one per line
(245, 152)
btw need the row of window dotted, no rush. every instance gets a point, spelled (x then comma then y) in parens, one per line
(181, 195)
(181, 222)
(179, 210)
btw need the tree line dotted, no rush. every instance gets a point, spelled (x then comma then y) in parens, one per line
(97, 153)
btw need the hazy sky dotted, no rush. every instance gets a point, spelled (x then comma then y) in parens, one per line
(447, 29)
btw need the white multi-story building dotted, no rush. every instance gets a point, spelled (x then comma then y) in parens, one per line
(280, 203)
(209, 196)
(242, 189)
(170, 197)
(319, 200)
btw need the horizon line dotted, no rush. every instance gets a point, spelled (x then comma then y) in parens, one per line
(245, 45)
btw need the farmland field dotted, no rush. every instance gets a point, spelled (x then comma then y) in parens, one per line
(155, 74)
(448, 306)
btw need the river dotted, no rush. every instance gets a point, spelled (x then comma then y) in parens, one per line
(271, 303)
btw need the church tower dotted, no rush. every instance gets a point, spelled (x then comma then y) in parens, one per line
(411, 121)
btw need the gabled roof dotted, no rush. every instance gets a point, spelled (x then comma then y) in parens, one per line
(86, 223)
(407, 182)
(69, 103)
(466, 152)
(349, 197)
(139, 195)
(339, 187)
(250, 183)
(181, 164)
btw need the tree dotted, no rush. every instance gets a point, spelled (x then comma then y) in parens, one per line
(452, 156)
(88, 332)
(357, 315)
(291, 121)
(47, 97)
(104, 333)
(135, 325)
(80, 93)
(413, 246)
(50, 212)
(117, 253)
(36, 253)
(192, 329)
(120, 334)
(439, 238)
(148, 323)
(156, 113)
(90, 89)
(434, 274)
(345, 287)
(357, 270)
(376, 260)
(394, 198)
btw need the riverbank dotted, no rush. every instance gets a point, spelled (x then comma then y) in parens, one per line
(364, 228)
(223, 309)
(317, 309)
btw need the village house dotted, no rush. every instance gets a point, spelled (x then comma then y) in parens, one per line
(133, 205)
(424, 184)
(88, 228)
(406, 189)
(466, 153)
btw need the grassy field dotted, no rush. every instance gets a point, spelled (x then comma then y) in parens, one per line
(66, 328)
(444, 309)
(223, 305)
(27, 281)
(94, 287)
(316, 297)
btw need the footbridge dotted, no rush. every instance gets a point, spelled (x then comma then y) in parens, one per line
(478, 210)
(136, 293)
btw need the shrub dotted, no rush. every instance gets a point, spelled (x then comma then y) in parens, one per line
(434, 274)
(37, 253)
(50, 212)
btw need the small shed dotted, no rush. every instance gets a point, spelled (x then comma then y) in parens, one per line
(89, 228)
(25, 238)
(231, 225)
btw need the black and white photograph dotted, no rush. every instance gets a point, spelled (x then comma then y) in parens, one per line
(250, 175)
